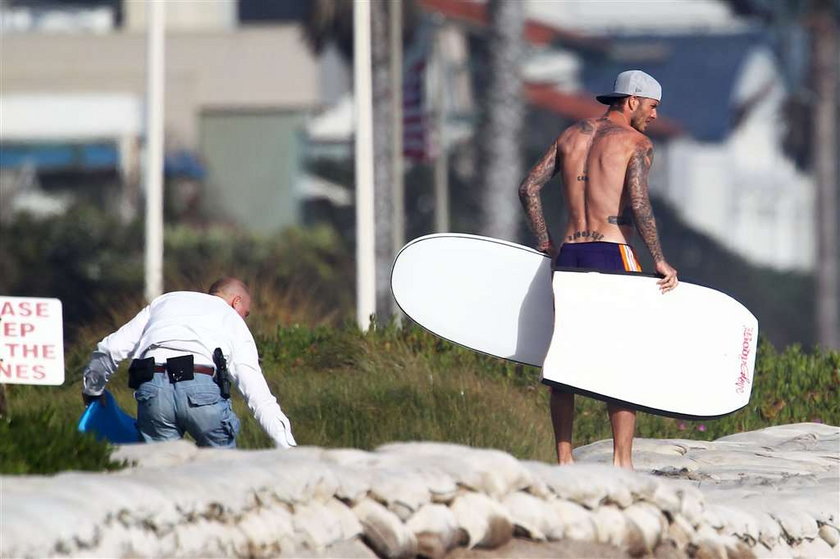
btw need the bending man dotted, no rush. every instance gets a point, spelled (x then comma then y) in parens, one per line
(178, 385)
(604, 164)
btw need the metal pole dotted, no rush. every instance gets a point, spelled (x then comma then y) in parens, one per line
(441, 162)
(825, 77)
(398, 221)
(154, 148)
(363, 92)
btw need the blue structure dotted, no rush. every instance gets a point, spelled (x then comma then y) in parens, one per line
(698, 73)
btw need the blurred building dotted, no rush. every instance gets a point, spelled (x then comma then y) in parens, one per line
(247, 102)
(728, 175)
(240, 82)
(719, 158)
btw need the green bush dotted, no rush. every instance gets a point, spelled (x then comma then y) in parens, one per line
(344, 388)
(340, 387)
(94, 265)
(37, 441)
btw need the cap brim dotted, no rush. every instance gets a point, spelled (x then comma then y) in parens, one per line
(609, 97)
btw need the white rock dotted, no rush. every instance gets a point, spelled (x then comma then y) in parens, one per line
(680, 531)
(577, 522)
(137, 542)
(769, 530)
(785, 436)
(485, 521)
(650, 521)
(203, 538)
(317, 526)
(349, 523)
(489, 471)
(593, 485)
(436, 530)
(347, 457)
(528, 514)
(710, 543)
(819, 502)
(668, 497)
(353, 483)
(814, 548)
(737, 522)
(183, 500)
(693, 506)
(797, 525)
(782, 550)
(403, 492)
(610, 525)
(830, 534)
(156, 455)
(492, 472)
(268, 531)
(387, 535)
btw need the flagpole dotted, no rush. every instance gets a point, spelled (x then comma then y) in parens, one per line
(154, 149)
(398, 221)
(363, 94)
(441, 161)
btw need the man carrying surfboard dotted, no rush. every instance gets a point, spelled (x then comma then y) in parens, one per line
(604, 165)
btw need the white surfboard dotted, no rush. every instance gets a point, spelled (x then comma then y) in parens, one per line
(486, 294)
(687, 353)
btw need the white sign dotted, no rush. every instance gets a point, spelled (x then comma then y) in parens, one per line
(31, 341)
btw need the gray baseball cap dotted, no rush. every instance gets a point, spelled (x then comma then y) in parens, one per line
(633, 82)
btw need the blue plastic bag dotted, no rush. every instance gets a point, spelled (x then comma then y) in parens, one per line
(107, 421)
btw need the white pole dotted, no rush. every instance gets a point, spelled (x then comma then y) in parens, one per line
(398, 222)
(442, 160)
(154, 148)
(365, 257)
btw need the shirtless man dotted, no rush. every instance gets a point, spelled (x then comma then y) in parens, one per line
(604, 164)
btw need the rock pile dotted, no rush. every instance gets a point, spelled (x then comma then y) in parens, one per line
(774, 492)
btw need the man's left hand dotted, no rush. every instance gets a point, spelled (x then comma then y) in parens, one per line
(669, 276)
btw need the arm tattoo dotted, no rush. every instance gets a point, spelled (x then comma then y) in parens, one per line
(637, 182)
(529, 193)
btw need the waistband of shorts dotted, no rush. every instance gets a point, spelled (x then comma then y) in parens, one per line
(596, 243)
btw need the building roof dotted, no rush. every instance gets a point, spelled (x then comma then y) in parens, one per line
(536, 32)
(698, 70)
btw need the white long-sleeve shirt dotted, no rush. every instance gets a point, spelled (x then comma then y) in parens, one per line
(185, 322)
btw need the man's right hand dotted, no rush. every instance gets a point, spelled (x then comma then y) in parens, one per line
(669, 276)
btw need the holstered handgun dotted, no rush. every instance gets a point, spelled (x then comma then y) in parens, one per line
(140, 371)
(222, 379)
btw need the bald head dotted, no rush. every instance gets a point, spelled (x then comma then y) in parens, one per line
(235, 293)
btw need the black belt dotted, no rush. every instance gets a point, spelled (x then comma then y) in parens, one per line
(204, 370)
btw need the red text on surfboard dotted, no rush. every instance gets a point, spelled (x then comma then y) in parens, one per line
(746, 350)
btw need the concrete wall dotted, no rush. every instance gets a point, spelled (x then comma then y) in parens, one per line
(253, 159)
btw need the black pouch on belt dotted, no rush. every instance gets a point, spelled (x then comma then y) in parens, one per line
(180, 368)
(140, 371)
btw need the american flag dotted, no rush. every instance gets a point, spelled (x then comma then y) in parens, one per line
(415, 112)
